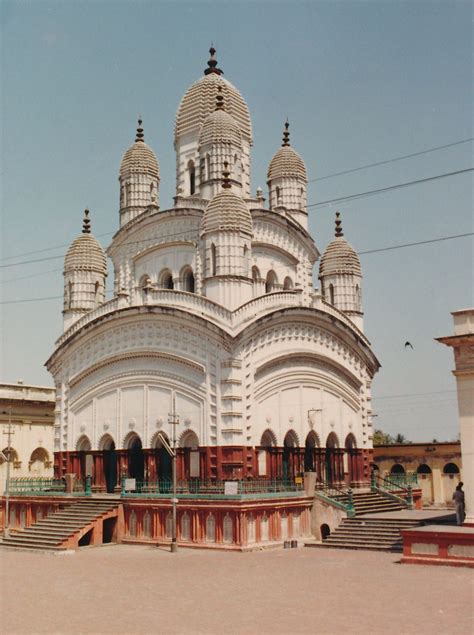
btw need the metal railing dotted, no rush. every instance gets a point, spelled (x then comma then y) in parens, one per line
(210, 487)
(408, 478)
(335, 496)
(392, 489)
(25, 486)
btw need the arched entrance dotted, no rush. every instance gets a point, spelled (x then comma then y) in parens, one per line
(290, 465)
(191, 465)
(425, 482)
(109, 462)
(86, 462)
(266, 456)
(351, 467)
(136, 462)
(164, 462)
(310, 446)
(332, 459)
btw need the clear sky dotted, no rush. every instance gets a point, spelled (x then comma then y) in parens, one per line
(361, 82)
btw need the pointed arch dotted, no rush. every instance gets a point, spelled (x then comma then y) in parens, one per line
(271, 282)
(165, 279)
(106, 442)
(83, 444)
(188, 439)
(39, 454)
(291, 439)
(187, 278)
(10, 453)
(287, 284)
(332, 441)
(268, 439)
(131, 441)
(350, 442)
(312, 440)
(156, 440)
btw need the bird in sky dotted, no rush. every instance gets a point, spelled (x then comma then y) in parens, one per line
(408, 344)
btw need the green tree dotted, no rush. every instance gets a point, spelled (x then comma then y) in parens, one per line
(382, 438)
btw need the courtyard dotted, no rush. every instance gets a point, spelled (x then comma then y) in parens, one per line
(141, 590)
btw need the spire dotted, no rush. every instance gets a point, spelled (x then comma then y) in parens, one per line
(212, 64)
(339, 232)
(286, 135)
(86, 224)
(140, 136)
(225, 174)
(219, 99)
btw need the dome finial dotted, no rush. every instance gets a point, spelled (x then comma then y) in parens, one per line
(86, 224)
(212, 64)
(286, 134)
(140, 136)
(339, 231)
(219, 99)
(225, 174)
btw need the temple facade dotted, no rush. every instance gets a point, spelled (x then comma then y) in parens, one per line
(215, 338)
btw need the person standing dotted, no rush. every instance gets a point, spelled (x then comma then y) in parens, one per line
(458, 498)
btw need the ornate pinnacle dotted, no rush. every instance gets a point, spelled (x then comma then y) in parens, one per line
(339, 231)
(219, 99)
(86, 224)
(225, 174)
(212, 64)
(286, 135)
(140, 136)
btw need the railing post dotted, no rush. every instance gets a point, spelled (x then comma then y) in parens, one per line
(410, 496)
(88, 485)
(122, 486)
(350, 501)
(372, 479)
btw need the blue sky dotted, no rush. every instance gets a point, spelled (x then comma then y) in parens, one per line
(361, 82)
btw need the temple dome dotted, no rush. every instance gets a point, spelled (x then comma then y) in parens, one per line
(226, 212)
(200, 99)
(286, 162)
(219, 126)
(140, 157)
(85, 253)
(339, 257)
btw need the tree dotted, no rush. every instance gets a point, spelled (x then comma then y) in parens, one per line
(382, 438)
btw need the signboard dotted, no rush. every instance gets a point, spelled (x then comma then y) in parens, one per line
(298, 480)
(130, 484)
(231, 488)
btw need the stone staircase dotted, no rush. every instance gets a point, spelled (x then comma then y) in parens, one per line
(64, 529)
(376, 534)
(374, 503)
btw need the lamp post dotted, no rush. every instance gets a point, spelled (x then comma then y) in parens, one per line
(9, 431)
(173, 420)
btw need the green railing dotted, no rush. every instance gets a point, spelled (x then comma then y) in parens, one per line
(335, 496)
(209, 487)
(403, 480)
(19, 486)
(392, 489)
(41, 486)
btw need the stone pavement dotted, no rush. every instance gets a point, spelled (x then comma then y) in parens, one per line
(141, 590)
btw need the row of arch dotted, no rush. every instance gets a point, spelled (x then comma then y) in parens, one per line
(271, 280)
(167, 281)
(132, 441)
(39, 458)
(423, 468)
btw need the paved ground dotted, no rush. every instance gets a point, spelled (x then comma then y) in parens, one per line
(141, 590)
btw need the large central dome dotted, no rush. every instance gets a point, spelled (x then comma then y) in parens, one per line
(200, 100)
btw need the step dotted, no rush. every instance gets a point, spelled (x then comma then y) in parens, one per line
(17, 546)
(33, 541)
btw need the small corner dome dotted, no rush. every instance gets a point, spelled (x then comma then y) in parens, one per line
(226, 212)
(140, 158)
(286, 162)
(219, 126)
(85, 254)
(200, 99)
(339, 257)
